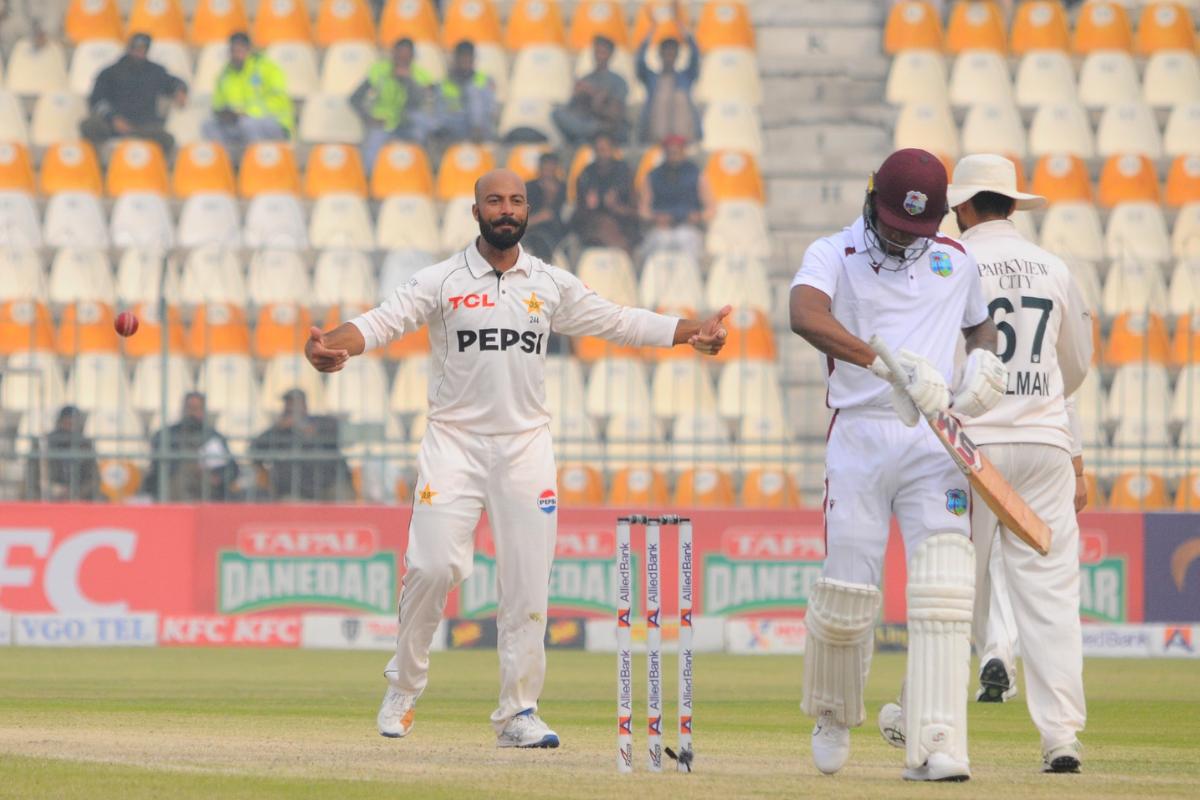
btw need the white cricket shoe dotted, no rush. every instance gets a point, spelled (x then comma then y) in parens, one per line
(891, 724)
(939, 767)
(396, 714)
(1065, 758)
(830, 743)
(527, 730)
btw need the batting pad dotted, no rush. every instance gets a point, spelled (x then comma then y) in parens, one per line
(941, 595)
(837, 649)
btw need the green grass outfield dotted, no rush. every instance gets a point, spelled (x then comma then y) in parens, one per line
(183, 723)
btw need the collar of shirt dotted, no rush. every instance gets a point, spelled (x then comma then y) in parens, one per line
(858, 235)
(993, 227)
(480, 267)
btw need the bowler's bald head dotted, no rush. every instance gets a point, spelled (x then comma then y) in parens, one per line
(502, 182)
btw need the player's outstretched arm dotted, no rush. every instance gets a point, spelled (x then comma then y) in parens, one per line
(329, 351)
(705, 336)
(812, 318)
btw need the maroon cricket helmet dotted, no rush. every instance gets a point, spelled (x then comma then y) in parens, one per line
(910, 192)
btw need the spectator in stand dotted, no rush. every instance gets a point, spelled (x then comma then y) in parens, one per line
(298, 457)
(70, 471)
(605, 213)
(676, 202)
(545, 196)
(200, 465)
(251, 102)
(669, 109)
(391, 101)
(465, 101)
(124, 99)
(598, 102)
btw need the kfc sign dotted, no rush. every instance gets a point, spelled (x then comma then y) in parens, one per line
(219, 631)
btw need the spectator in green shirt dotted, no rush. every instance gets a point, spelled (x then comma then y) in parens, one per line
(251, 102)
(465, 101)
(392, 101)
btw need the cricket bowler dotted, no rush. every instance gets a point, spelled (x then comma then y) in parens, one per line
(490, 310)
(891, 274)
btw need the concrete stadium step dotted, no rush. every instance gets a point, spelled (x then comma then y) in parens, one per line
(798, 50)
(824, 149)
(818, 12)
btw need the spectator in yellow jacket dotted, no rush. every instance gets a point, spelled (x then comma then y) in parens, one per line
(392, 101)
(251, 102)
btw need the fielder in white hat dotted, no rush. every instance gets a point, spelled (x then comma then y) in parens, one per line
(1033, 438)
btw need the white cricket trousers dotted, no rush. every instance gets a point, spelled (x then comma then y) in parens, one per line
(467, 473)
(876, 466)
(1043, 590)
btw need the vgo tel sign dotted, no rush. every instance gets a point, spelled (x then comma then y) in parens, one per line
(759, 570)
(295, 565)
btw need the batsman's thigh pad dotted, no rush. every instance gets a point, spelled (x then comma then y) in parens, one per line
(941, 595)
(837, 652)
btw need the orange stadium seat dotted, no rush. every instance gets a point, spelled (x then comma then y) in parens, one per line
(215, 20)
(343, 21)
(598, 18)
(1102, 26)
(92, 19)
(70, 167)
(580, 485)
(462, 164)
(749, 337)
(733, 175)
(408, 19)
(282, 21)
(470, 21)
(410, 344)
(148, 342)
(523, 159)
(656, 19)
(1183, 181)
(1136, 338)
(137, 165)
(202, 168)
(218, 329)
(724, 24)
(975, 25)
(1096, 497)
(401, 168)
(1187, 496)
(1165, 26)
(1126, 179)
(534, 22)
(1185, 344)
(16, 173)
(86, 327)
(161, 19)
(584, 155)
(638, 487)
(769, 488)
(282, 329)
(1062, 178)
(1139, 491)
(334, 168)
(25, 325)
(647, 163)
(268, 167)
(704, 487)
(1039, 25)
(912, 25)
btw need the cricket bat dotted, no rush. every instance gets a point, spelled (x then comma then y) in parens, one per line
(1008, 506)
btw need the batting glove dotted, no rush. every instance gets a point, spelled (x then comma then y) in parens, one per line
(924, 383)
(902, 402)
(984, 382)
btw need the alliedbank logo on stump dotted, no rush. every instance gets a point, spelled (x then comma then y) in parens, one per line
(277, 566)
(762, 570)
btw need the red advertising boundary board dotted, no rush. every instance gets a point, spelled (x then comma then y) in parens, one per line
(286, 559)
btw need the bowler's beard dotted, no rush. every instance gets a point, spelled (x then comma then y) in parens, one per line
(499, 239)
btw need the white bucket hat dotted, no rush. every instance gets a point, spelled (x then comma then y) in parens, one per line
(988, 173)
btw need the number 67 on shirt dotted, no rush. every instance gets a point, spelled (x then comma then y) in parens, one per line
(985, 479)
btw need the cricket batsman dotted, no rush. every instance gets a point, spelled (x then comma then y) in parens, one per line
(490, 310)
(1045, 332)
(891, 274)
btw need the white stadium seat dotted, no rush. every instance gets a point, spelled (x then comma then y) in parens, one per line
(298, 60)
(328, 118)
(277, 276)
(682, 386)
(407, 222)
(633, 441)
(410, 389)
(34, 70)
(174, 57)
(80, 275)
(980, 76)
(345, 66)
(749, 387)
(213, 275)
(732, 125)
(459, 227)
(56, 118)
(90, 58)
(609, 272)
(1134, 286)
(531, 114)
(21, 390)
(75, 219)
(541, 72)
(341, 220)
(1185, 236)
(142, 219)
(1061, 128)
(1072, 230)
(1172, 78)
(13, 127)
(344, 277)
(228, 382)
(359, 391)
(1045, 76)
(671, 280)
(210, 63)
(20, 228)
(699, 441)
(398, 268)
(275, 220)
(927, 124)
(1183, 295)
(147, 385)
(994, 128)
(1087, 278)
(916, 75)
(564, 384)
(1138, 231)
(739, 228)
(738, 281)
(22, 270)
(210, 218)
(729, 72)
(97, 381)
(1182, 135)
(617, 387)
(139, 273)
(1108, 77)
(286, 372)
(1128, 128)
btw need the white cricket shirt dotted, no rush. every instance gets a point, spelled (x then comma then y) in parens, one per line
(1045, 337)
(922, 308)
(488, 333)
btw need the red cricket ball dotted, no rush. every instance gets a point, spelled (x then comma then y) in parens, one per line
(126, 323)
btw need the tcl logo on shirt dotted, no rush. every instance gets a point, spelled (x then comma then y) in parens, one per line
(500, 339)
(472, 301)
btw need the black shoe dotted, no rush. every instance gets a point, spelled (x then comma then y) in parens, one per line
(993, 682)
